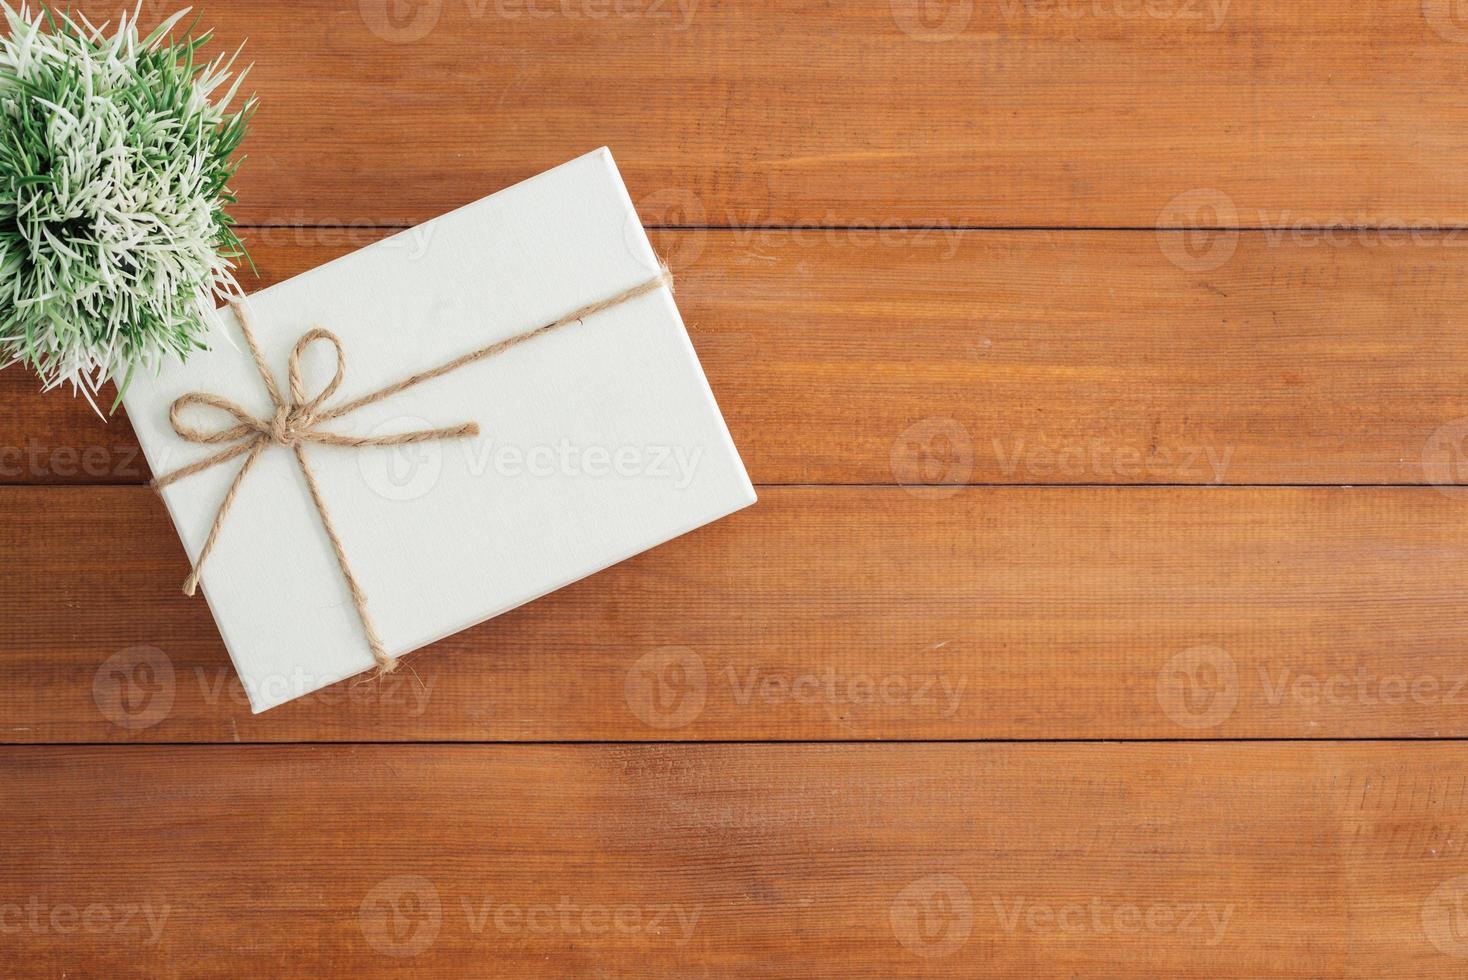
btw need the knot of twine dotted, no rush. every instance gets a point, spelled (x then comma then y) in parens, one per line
(283, 426)
(296, 421)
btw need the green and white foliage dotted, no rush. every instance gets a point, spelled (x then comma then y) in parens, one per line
(116, 150)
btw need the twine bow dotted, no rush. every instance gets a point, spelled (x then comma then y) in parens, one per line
(296, 422)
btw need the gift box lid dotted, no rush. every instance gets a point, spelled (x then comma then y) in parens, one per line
(597, 441)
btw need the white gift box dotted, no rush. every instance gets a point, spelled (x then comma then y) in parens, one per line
(597, 441)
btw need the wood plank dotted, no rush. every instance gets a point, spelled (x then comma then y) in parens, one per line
(879, 861)
(1019, 112)
(1006, 358)
(818, 614)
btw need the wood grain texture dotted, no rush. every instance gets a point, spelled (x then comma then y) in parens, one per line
(1013, 112)
(880, 345)
(1221, 861)
(819, 614)
(842, 357)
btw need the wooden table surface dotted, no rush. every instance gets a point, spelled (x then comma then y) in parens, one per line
(1101, 364)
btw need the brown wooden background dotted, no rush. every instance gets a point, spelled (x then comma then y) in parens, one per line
(1102, 367)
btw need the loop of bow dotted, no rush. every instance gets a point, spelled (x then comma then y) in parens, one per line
(291, 422)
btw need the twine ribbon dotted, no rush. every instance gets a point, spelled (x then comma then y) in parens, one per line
(296, 422)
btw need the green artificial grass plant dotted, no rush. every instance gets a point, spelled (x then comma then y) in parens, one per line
(115, 154)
